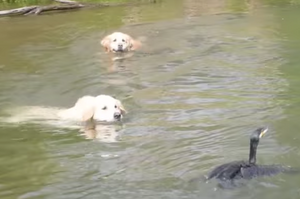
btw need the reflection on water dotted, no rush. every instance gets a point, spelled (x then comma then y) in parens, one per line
(194, 93)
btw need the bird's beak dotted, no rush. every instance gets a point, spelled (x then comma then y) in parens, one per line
(263, 132)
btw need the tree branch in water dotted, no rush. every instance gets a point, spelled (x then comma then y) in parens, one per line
(65, 5)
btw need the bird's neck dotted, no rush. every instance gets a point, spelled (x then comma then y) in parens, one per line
(252, 155)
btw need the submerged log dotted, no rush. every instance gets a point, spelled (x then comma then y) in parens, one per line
(18, 11)
(64, 5)
(40, 9)
(66, 1)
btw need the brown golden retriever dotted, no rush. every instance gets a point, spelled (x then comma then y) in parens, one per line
(119, 42)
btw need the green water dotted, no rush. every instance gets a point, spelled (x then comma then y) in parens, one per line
(208, 74)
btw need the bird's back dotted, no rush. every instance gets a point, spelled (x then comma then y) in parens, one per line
(228, 171)
(242, 169)
(265, 170)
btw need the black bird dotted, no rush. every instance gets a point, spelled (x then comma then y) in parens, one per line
(228, 173)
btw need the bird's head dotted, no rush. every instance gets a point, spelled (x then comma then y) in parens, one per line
(258, 133)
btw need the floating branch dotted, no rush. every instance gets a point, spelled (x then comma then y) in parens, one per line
(63, 6)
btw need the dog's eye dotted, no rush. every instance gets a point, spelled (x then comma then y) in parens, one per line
(114, 40)
(104, 108)
(116, 106)
(123, 40)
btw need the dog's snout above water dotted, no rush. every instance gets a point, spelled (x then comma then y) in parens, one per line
(120, 47)
(117, 116)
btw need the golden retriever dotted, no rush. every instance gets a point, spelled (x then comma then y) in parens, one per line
(120, 46)
(102, 108)
(119, 42)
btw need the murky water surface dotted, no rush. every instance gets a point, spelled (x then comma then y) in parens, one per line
(207, 75)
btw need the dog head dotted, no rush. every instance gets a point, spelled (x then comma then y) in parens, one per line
(100, 108)
(119, 42)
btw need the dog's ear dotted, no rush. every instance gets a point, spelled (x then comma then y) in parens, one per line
(134, 44)
(86, 107)
(121, 107)
(88, 113)
(105, 42)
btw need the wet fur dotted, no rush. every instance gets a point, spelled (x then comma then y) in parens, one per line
(99, 108)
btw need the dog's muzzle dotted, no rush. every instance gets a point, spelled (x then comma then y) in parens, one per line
(120, 47)
(117, 116)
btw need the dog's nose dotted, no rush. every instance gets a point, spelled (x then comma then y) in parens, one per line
(117, 116)
(120, 46)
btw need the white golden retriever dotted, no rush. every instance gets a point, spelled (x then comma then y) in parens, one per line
(102, 108)
(119, 42)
